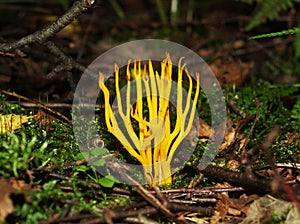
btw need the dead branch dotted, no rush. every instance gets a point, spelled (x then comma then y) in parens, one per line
(251, 181)
(50, 30)
(67, 62)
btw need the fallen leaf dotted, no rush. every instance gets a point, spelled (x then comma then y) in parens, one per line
(231, 135)
(234, 212)
(262, 209)
(230, 72)
(205, 131)
(9, 122)
(232, 206)
(6, 204)
(243, 203)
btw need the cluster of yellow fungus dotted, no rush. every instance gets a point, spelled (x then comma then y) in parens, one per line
(153, 144)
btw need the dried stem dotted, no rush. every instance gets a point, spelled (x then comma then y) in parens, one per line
(50, 30)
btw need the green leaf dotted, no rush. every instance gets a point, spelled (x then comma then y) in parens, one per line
(49, 185)
(293, 30)
(82, 168)
(99, 162)
(269, 10)
(99, 151)
(296, 110)
(297, 45)
(82, 155)
(107, 181)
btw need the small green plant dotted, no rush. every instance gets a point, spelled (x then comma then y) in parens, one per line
(15, 153)
(277, 217)
(38, 210)
(296, 110)
(107, 181)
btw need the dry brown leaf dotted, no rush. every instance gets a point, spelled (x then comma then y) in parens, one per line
(243, 203)
(222, 204)
(262, 209)
(6, 204)
(230, 72)
(233, 165)
(19, 184)
(231, 206)
(231, 135)
(215, 219)
(205, 131)
(234, 212)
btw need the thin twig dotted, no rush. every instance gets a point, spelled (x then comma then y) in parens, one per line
(257, 103)
(54, 105)
(245, 155)
(279, 181)
(67, 62)
(209, 190)
(38, 104)
(144, 193)
(232, 104)
(77, 163)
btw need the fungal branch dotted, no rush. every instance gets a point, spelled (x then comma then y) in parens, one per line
(154, 140)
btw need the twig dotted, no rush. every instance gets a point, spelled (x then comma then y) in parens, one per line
(108, 216)
(206, 211)
(37, 103)
(200, 190)
(161, 196)
(144, 193)
(72, 218)
(120, 215)
(86, 36)
(54, 105)
(280, 165)
(245, 155)
(45, 33)
(77, 163)
(141, 219)
(257, 103)
(249, 182)
(83, 183)
(279, 181)
(67, 62)
(233, 105)
(194, 201)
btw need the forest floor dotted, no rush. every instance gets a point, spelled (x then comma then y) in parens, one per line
(45, 177)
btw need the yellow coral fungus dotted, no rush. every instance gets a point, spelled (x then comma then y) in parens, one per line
(156, 140)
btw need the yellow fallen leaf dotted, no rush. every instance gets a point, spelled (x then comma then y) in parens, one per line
(9, 122)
